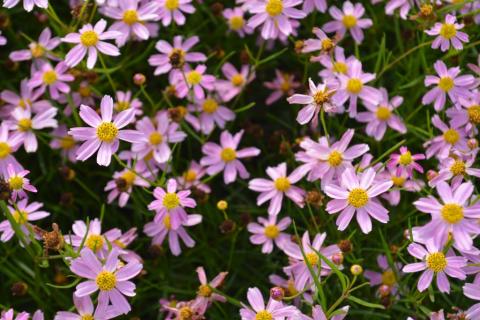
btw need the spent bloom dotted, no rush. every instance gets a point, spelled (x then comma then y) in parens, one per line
(25, 213)
(447, 34)
(37, 50)
(174, 10)
(274, 310)
(268, 232)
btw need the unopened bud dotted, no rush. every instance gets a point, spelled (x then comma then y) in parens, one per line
(337, 258)
(277, 293)
(19, 289)
(472, 143)
(345, 245)
(227, 226)
(384, 290)
(222, 205)
(431, 174)
(356, 269)
(139, 79)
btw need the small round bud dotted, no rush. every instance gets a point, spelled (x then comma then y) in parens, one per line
(356, 269)
(337, 258)
(60, 278)
(472, 143)
(217, 8)
(426, 10)
(314, 198)
(41, 17)
(431, 174)
(394, 249)
(299, 44)
(277, 293)
(384, 290)
(227, 226)
(67, 173)
(345, 245)
(222, 205)
(177, 113)
(156, 251)
(5, 191)
(19, 289)
(406, 234)
(139, 79)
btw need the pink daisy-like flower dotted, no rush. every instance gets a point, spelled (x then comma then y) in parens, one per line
(111, 278)
(8, 145)
(284, 84)
(27, 4)
(319, 314)
(323, 44)
(53, 78)
(9, 315)
(448, 33)
(191, 178)
(311, 5)
(82, 95)
(3, 40)
(37, 50)
(25, 213)
(274, 310)
(406, 161)
(236, 21)
(403, 6)
(268, 232)
(103, 134)
(448, 82)
(27, 99)
(472, 291)
(159, 229)
(298, 263)
(334, 65)
(280, 185)
(123, 181)
(195, 80)
(452, 139)
(65, 142)
(435, 263)
(275, 16)
(225, 157)
(402, 181)
(171, 203)
(454, 216)
(18, 183)
(210, 112)
(466, 113)
(90, 40)
(455, 168)
(235, 83)
(350, 19)
(86, 310)
(387, 277)
(174, 10)
(124, 101)
(357, 194)
(205, 295)
(380, 116)
(319, 98)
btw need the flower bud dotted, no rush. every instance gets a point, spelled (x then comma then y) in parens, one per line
(139, 79)
(19, 289)
(222, 205)
(431, 174)
(345, 245)
(472, 143)
(228, 226)
(356, 269)
(337, 258)
(384, 290)
(277, 293)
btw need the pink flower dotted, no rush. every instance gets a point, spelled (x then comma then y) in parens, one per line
(448, 33)
(37, 50)
(284, 84)
(191, 178)
(323, 43)
(8, 145)
(387, 276)
(357, 194)
(268, 232)
(205, 295)
(110, 278)
(25, 213)
(86, 310)
(275, 16)
(448, 83)
(472, 291)
(18, 183)
(103, 134)
(406, 161)
(123, 181)
(65, 142)
(236, 21)
(274, 310)
(53, 78)
(196, 80)
(280, 185)
(171, 203)
(124, 101)
(335, 65)
(3, 40)
(90, 39)
(318, 314)
(27, 4)
(27, 99)
(456, 167)
(174, 10)
(225, 157)
(466, 113)
(311, 5)
(348, 20)
(452, 139)
(435, 263)
(402, 181)
(404, 7)
(210, 113)
(235, 83)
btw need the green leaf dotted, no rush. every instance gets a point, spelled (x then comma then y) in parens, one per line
(365, 303)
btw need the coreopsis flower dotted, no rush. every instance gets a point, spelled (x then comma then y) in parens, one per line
(452, 139)
(191, 178)
(274, 310)
(235, 83)
(27, 4)
(448, 82)
(298, 263)
(357, 194)
(174, 10)
(9, 315)
(181, 309)
(401, 181)
(284, 84)
(225, 157)
(466, 113)
(37, 50)
(24, 124)
(110, 278)
(452, 217)
(123, 181)
(132, 18)
(381, 115)
(455, 168)
(103, 134)
(171, 203)
(159, 229)
(350, 19)
(9, 143)
(447, 34)
(323, 44)
(210, 113)
(3, 40)
(275, 16)
(403, 6)
(86, 310)
(26, 99)
(311, 5)
(82, 95)
(52, 78)
(205, 295)
(386, 277)
(352, 86)
(90, 40)
(196, 81)
(268, 232)
(281, 185)
(18, 183)
(176, 56)
(65, 142)
(472, 291)
(236, 21)
(435, 263)
(319, 314)
(124, 101)
(123, 241)
(319, 98)
(91, 236)
(156, 137)
(406, 161)
(334, 65)
(25, 213)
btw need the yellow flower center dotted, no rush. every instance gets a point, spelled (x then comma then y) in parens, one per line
(84, 91)
(94, 242)
(15, 182)
(89, 38)
(194, 77)
(405, 158)
(210, 106)
(446, 83)
(236, 22)
(451, 136)
(285, 86)
(177, 58)
(122, 105)
(204, 291)
(237, 80)
(172, 4)
(67, 142)
(20, 217)
(185, 313)
(383, 113)
(129, 177)
(263, 315)
(340, 67)
(87, 317)
(335, 158)
(354, 85)
(282, 184)
(107, 131)
(398, 181)
(271, 231)
(120, 244)
(228, 154)
(426, 10)
(106, 280)
(24, 124)
(358, 197)
(448, 31)
(327, 44)
(130, 17)
(166, 222)
(37, 50)
(49, 77)
(274, 7)
(320, 97)
(190, 175)
(474, 114)
(5, 150)
(171, 201)
(312, 258)
(155, 138)
(388, 278)
(458, 168)
(24, 102)
(349, 21)
(452, 213)
(436, 261)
